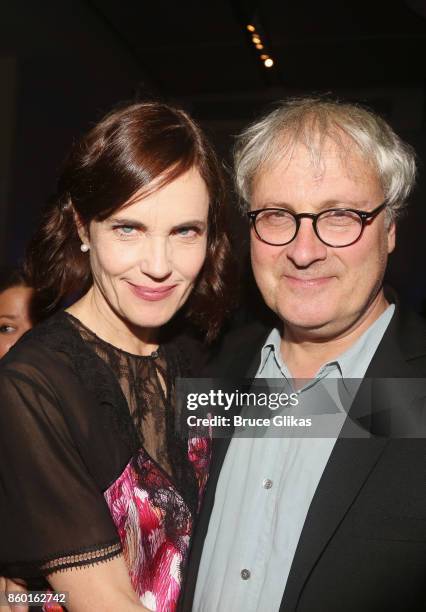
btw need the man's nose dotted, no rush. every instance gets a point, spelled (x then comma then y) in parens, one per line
(156, 257)
(306, 248)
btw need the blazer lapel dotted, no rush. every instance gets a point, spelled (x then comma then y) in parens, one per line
(348, 467)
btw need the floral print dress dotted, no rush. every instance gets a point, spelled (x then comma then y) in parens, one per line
(155, 551)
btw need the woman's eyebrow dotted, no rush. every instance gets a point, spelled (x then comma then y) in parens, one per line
(138, 224)
(126, 221)
(199, 222)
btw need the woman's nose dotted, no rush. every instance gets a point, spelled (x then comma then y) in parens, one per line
(155, 258)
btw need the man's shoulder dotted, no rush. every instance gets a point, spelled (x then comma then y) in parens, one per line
(403, 347)
(411, 329)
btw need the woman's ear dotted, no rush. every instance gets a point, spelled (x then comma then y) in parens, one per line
(82, 229)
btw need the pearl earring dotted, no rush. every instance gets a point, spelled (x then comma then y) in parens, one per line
(84, 247)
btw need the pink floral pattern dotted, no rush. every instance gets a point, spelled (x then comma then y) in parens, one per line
(155, 554)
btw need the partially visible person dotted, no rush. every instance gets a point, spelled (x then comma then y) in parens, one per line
(17, 311)
(17, 316)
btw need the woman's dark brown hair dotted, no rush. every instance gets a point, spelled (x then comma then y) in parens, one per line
(137, 149)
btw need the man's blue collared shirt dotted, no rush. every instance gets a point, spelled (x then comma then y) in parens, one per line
(265, 488)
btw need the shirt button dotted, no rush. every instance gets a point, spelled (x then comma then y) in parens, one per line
(267, 483)
(245, 574)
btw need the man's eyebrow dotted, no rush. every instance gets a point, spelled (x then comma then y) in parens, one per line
(8, 316)
(271, 204)
(335, 203)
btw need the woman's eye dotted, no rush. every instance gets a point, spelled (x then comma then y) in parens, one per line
(7, 329)
(124, 230)
(187, 232)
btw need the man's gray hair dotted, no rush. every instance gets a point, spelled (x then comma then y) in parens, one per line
(310, 121)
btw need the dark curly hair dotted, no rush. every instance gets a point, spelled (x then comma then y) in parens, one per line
(136, 149)
(13, 276)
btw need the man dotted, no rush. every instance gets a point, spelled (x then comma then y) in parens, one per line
(322, 524)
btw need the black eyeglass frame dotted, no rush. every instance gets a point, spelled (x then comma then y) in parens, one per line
(364, 216)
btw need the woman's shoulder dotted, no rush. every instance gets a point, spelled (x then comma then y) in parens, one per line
(54, 358)
(54, 333)
(52, 373)
(52, 340)
(43, 357)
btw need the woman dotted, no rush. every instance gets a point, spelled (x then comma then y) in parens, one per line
(17, 312)
(95, 475)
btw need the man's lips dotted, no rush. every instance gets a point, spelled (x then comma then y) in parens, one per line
(307, 282)
(152, 294)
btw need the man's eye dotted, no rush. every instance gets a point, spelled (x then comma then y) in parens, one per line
(338, 214)
(275, 217)
(7, 329)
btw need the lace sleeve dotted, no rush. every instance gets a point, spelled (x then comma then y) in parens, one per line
(53, 516)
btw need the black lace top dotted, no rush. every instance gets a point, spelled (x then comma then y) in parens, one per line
(74, 411)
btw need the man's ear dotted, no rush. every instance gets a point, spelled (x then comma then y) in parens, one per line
(82, 229)
(391, 237)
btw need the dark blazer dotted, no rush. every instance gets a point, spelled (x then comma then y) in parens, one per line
(363, 544)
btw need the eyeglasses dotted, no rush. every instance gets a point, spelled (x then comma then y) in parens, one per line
(336, 227)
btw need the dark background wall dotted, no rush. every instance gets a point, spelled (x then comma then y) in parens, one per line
(63, 64)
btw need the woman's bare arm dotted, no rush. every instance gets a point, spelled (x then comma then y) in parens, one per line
(104, 587)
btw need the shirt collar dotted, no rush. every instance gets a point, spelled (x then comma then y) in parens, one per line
(354, 361)
(272, 347)
(345, 365)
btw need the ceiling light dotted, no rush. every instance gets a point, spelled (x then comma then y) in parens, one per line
(251, 28)
(269, 62)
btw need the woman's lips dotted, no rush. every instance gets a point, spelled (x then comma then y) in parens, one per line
(152, 294)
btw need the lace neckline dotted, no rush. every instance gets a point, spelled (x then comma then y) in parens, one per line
(137, 392)
(77, 323)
